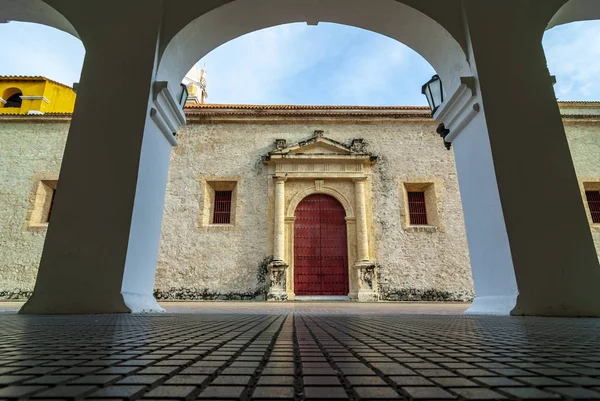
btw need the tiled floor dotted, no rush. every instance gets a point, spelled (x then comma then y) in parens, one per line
(443, 308)
(298, 355)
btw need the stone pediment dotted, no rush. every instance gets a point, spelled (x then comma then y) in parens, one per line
(318, 147)
(322, 146)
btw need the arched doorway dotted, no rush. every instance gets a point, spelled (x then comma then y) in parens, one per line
(320, 247)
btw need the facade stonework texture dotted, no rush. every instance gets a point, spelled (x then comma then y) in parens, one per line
(225, 150)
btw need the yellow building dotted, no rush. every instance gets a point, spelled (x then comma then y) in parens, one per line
(34, 95)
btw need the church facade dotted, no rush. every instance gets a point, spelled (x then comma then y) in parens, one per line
(286, 202)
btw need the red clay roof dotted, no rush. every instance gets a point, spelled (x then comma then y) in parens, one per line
(249, 110)
(298, 107)
(30, 78)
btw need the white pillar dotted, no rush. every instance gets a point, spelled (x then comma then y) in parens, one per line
(278, 267)
(526, 226)
(102, 242)
(365, 268)
(279, 223)
(362, 233)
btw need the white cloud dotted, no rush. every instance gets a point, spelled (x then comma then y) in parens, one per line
(327, 64)
(254, 67)
(572, 52)
(380, 70)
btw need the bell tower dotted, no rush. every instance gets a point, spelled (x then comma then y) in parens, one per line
(195, 80)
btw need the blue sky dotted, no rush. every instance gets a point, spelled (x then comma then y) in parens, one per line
(301, 64)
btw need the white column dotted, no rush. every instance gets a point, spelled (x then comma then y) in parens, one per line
(365, 268)
(278, 267)
(102, 242)
(362, 233)
(279, 223)
(526, 225)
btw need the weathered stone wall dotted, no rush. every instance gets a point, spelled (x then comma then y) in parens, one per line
(584, 142)
(431, 264)
(199, 261)
(28, 152)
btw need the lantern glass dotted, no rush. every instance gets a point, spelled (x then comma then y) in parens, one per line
(434, 93)
(184, 95)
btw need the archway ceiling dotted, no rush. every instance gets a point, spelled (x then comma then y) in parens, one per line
(576, 10)
(35, 11)
(447, 13)
(224, 20)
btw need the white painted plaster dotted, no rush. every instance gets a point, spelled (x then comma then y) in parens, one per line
(144, 235)
(36, 11)
(491, 261)
(576, 10)
(387, 17)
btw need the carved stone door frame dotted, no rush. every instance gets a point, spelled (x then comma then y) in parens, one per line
(321, 166)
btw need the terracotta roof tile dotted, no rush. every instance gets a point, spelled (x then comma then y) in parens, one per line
(31, 78)
(578, 102)
(298, 107)
(282, 113)
(50, 114)
(302, 111)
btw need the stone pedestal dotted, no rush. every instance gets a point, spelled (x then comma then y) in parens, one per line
(367, 281)
(277, 281)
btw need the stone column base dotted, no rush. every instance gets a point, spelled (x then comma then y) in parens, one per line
(367, 281)
(277, 281)
(142, 303)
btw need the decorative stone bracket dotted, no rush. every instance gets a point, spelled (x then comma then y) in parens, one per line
(166, 113)
(367, 281)
(456, 112)
(277, 281)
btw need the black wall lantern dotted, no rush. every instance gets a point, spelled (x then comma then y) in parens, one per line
(184, 95)
(434, 92)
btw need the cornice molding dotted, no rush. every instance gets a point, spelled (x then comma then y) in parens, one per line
(167, 114)
(35, 98)
(456, 112)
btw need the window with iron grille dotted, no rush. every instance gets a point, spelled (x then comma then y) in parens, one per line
(222, 207)
(593, 200)
(417, 208)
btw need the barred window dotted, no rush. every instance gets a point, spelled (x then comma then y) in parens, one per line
(593, 200)
(222, 207)
(417, 208)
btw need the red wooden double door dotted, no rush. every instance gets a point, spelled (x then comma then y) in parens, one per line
(320, 247)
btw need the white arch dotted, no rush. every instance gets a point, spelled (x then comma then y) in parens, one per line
(295, 201)
(387, 17)
(576, 10)
(35, 11)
